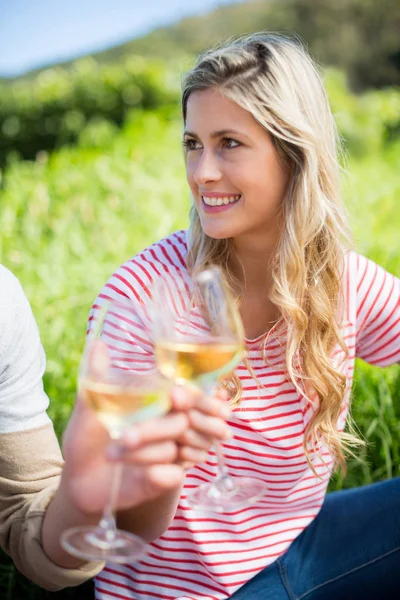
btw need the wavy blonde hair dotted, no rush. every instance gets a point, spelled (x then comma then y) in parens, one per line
(273, 78)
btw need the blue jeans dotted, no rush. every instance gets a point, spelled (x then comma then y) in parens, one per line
(350, 551)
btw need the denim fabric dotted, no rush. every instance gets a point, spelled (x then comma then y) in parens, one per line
(351, 550)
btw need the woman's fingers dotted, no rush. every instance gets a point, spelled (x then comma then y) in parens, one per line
(222, 394)
(193, 438)
(165, 476)
(169, 427)
(214, 406)
(184, 397)
(151, 454)
(211, 427)
(178, 437)
(192, 456)
(189, 396)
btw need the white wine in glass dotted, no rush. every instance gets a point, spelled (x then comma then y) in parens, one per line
(121, 393)
(118, 407)
(201, 360)
(199, 338)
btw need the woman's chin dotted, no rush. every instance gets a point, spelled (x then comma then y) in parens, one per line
(216, 233)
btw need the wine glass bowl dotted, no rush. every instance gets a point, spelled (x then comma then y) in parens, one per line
(122, 398)
(199, 360)
(198, 332)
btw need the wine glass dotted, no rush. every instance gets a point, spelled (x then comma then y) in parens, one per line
(122, 390)
(199, 338)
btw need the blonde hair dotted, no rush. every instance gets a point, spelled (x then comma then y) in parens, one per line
(273, 78)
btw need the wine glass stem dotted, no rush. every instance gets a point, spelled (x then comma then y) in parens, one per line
(220, 459)
(107, 522)
(209, 389)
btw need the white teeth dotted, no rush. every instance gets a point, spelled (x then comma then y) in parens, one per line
(220, 201)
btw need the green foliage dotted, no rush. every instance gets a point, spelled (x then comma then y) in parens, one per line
(359, 36)
(366, 122)
(51, 109)
(376, 414)
(70, 218)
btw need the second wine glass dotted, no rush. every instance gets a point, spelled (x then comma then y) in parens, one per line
(199, 339)
(122, 389)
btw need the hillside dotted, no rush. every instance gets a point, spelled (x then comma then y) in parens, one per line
(361, 36)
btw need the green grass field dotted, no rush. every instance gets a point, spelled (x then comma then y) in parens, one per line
(69, 219)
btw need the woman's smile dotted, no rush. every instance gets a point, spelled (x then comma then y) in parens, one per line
(213, 202)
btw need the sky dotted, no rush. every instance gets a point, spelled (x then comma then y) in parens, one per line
(34, 33)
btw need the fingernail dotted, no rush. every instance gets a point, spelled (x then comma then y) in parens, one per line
(131, 437)
(228, 435)
(223, 394)
(180, 395)
(225, 412)
(203, 456)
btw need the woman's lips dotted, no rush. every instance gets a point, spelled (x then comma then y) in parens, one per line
(219, 207)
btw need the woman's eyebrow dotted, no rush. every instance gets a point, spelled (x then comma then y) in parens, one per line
(214, 134)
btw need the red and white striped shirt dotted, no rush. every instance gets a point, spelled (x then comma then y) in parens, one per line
(209, 556)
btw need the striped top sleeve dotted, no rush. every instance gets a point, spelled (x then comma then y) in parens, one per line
(132, 347)
(378, 314)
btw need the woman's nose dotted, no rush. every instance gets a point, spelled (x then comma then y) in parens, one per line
(207, 169)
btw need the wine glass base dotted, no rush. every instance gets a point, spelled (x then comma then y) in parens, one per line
(95, 543)
(227, 493)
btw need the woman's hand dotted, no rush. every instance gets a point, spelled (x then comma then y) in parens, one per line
(206, 424)
(155, 453)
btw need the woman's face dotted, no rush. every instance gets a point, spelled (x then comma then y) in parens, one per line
(232, 167)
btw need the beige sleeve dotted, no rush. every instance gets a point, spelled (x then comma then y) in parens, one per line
(30, 467)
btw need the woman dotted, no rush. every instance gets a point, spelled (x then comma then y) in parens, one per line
(40, 496)
(260, 150)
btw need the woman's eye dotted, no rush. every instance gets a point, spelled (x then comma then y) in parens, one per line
(230, 143)
(191, 144)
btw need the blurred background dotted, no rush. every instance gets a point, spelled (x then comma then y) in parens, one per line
(91, 168)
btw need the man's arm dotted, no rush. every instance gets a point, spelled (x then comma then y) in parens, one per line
(30, 467)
